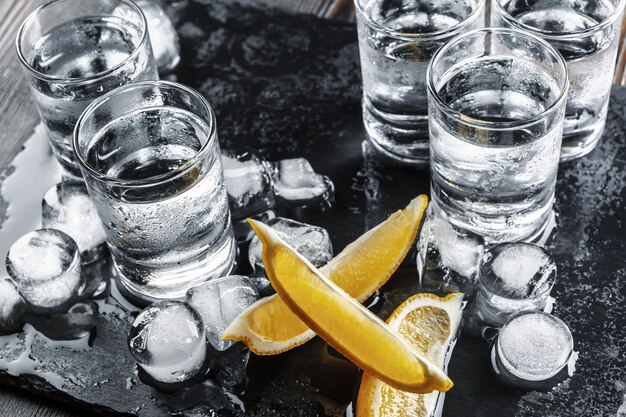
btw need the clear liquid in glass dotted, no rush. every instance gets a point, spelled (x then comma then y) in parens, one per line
(75, 54)
(590, 61)
(395, 103)
(498, 184)
(174, 233)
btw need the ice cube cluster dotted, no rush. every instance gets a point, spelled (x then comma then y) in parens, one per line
(312, 242)
(256, 187)
(52, 268)
(448, 257)
(178, 341)
(168, 341)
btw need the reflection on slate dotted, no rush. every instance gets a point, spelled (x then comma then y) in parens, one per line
(289, 85)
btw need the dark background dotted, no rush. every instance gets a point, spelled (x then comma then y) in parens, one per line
(290, 86)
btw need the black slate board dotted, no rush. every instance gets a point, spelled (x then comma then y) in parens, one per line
(289, 85)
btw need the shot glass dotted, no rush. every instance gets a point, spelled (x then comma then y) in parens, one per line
(496, 103)
(533, 351)
(513, 277)
(397, 39)
(73, 51)
(150, 156)
(586, 34)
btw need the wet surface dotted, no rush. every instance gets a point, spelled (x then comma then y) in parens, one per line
(289, 85)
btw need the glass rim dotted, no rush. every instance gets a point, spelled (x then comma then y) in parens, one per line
(483, 283)
(410, 36)
(514, 371)
(486, 124)
(69, 81)
(566, 35)
(161, 179)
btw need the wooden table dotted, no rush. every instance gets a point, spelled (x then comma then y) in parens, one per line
(18, 118)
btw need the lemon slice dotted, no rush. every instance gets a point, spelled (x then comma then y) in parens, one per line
(429, 324)
(343, 322)
(268, 327)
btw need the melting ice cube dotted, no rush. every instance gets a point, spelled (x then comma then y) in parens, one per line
(45, 266)
(163, 36)
(448, 257)
(248, 183)
(67, 207)
(514, 277)
(533, 347)
(518, 270)
(298, 187)
(168, 341)
(219, 302)
(12, 307)
(312, 242)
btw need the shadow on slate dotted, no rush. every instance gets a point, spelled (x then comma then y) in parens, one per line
(289, 85)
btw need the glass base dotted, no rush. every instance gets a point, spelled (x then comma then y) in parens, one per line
(537, 228)
(400, 139)
(70, 169)
(173, 283)
(544, 235)
(579, 143)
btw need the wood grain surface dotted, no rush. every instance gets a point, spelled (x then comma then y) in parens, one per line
(18, 118)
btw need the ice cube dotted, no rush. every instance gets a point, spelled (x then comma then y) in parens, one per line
(514, 277)
(448, 257)
(168, 341)
(67, 207)
(219, 302)
(163, 36)
(534, 347)
(45, 266)
(248, 183)
(518, 270)
(299, 189)
(12, 307)
(312, 242)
